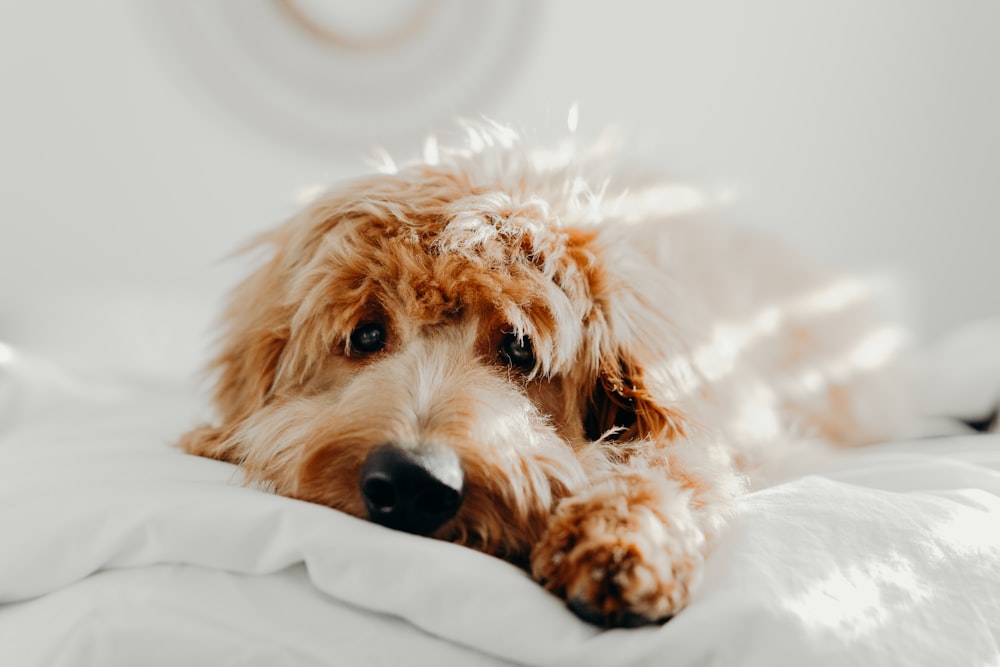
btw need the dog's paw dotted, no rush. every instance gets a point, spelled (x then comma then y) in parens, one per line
(619, 562)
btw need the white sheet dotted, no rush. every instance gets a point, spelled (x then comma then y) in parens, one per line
(116, 549)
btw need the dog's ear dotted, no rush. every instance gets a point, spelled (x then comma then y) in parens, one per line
(247, 367)
(209, 441)
(617, 403)
(255, 333)
(620, 402)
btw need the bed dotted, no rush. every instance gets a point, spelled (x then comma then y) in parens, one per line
(118, 549)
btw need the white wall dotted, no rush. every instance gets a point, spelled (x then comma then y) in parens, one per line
(864, 132)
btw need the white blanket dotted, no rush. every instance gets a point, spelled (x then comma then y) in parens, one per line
(117, 549)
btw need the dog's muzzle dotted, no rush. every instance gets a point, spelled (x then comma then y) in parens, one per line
(413, 492)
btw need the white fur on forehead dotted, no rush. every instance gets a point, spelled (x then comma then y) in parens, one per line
(583, 182)
(571, 177)
(486, 225)
(526, 199)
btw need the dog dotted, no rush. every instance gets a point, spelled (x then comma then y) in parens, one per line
(510, 350)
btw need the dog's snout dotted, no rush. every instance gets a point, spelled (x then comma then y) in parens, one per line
(416, 493)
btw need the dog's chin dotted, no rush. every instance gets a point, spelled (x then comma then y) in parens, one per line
(506, 545)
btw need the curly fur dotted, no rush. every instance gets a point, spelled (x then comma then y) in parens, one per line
(673, 357)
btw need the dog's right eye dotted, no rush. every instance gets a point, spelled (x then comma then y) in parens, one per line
(516, 352)
(368, 338)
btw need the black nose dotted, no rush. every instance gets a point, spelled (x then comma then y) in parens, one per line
(412, 492)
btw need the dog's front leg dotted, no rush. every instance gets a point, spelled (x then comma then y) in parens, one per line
(628, 548)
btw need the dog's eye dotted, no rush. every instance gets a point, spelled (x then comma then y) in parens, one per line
(368, 338)
(516, 352)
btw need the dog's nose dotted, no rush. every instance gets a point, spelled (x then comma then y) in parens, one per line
(411, 492)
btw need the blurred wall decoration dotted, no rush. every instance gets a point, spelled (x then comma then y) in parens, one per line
(351, 74)
(141, 141)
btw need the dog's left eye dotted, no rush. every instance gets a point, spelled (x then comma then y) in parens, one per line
(368, 338)
(517, 352)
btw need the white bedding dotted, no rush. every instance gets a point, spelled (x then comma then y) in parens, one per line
(116, 549)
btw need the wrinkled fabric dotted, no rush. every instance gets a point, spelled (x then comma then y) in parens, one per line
(118, 549)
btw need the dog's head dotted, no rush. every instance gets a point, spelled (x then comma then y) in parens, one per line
(436, 350)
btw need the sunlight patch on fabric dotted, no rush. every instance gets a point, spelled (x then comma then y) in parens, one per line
(860, 599)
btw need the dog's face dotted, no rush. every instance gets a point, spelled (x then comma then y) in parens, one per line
(431, 354)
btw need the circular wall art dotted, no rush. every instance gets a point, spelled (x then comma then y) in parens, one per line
(335, 74)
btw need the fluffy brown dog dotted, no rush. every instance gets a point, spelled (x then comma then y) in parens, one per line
(491, 348)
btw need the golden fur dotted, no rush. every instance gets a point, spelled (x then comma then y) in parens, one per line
(672, 357)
